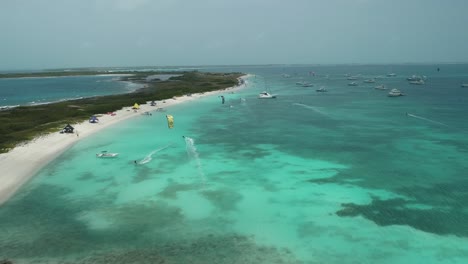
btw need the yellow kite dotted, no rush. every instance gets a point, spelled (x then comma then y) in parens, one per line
(170, 121)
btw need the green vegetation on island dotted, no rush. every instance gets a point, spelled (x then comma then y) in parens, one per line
(23, 123)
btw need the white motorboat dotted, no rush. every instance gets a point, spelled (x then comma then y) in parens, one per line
(380, 87)
(414, 78)
(464, 85)
(106, 154)
(417, 82)
(369, 81)
(321, 90)
(395, 93)
(391, 75)
(352, 84)
(304, 84)
(266, 95)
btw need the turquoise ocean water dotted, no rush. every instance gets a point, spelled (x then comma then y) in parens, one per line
(344, 176)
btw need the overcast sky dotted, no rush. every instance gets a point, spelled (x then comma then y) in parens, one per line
(83, 33)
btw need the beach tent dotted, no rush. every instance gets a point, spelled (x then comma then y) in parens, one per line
(136, 106)
(93, 119)
(67, 129)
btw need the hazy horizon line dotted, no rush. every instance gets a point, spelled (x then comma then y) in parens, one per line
(232, 65)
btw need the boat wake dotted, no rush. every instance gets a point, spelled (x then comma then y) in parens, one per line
(193, 154)
(426, 119)
(149, 157)
(313, 108)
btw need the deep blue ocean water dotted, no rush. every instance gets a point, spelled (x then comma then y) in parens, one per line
(346, 176)
(30, 91)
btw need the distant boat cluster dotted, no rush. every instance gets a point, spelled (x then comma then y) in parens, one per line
(355, 81)
(415, 79)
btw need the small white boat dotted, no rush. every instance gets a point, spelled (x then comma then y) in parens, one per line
(369, 81)
(266, 95)
(417, 82)
(380, 87)
(464, 85)
(321, 90)
(352, 78)
(414, 78)
(391, 75)
(395, 93)
(106, 154)
(304, 84)
(352, 84)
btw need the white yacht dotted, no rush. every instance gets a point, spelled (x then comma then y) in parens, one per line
(417, 82)
(395, 93)
(321, 89)
(391, 75)
(380, 87)
(352, 84)
(304, 84)
(266, 95)
(414, 78)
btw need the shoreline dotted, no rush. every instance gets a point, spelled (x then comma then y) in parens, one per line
(20, 164)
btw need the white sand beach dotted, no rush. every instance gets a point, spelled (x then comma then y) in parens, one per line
(21, 163)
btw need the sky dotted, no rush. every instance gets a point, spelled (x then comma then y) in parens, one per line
(44, 34)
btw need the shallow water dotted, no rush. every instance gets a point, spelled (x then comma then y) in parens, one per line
(339, 177)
